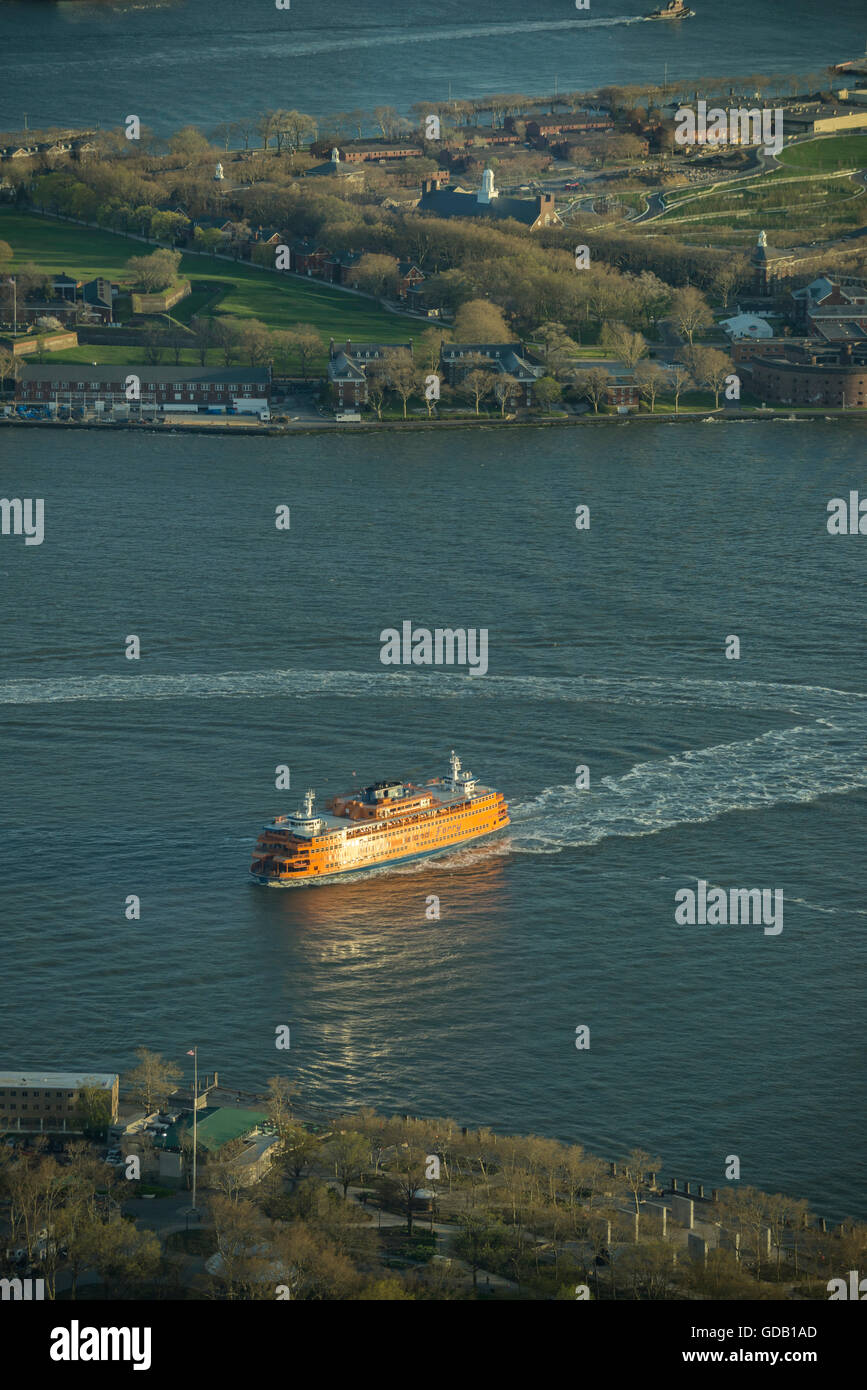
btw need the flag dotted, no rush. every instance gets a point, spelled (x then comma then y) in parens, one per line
(192, 1053)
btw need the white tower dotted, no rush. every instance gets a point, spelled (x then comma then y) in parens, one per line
(218, 172)
(463, 782)
(487, 193)
(335, 155)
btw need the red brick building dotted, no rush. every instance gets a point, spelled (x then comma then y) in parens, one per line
(309, 257)
(369, 151)
(807, 374)
(349, 363)
(185, 390)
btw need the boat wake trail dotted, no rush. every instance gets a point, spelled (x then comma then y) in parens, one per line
(779, 767)
(298, 47)
(821, 753)
(816, 702)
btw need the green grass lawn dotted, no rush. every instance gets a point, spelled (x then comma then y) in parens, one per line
(245, 291)
(828, 152)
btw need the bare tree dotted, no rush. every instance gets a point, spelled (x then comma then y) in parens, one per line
(680, 379)
(592, 384)
(403, 376)
(651, 380)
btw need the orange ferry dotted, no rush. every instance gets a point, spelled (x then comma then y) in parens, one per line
(386, 823)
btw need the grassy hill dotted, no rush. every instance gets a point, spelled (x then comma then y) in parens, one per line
(827, 153)
(280, 301)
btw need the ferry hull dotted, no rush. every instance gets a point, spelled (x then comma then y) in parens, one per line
(296, 881)
(388, 822)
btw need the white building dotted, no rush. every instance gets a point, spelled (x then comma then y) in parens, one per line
(747, 326)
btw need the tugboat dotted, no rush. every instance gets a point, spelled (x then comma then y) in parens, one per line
(385, 823)
(675, 9)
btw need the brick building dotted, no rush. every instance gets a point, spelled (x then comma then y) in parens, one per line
(807, 373)
(489, 203)
(369, 151)
(457, 360)
(50, 1100)
(160, 389)
(770, 268)
(309, 257)
(348, 366)
(73, 300)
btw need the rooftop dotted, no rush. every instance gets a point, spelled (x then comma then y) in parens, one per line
(59, 1080)
(217, 1126)
(84, 371)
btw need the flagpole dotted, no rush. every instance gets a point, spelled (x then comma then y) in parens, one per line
(195, 1116)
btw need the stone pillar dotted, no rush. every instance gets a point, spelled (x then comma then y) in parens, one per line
(696, 1246)
(683, 1210)
(657, 1215)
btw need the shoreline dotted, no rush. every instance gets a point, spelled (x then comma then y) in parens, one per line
(373, 426)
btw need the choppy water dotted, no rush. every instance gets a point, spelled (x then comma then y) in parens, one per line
(261, 647)
(205, 61)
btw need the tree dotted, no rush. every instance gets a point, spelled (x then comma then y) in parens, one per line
(223, 132)
(297, 127)
(402, 375)
(281, 1094)
(254, 340)
(31, 280)
(680, 379)
(635, 1169)
(94, 1110)
(477, 1241)
(591, 384)
(300, 1151)
(169, 226)
(350, 1154)
(122, 1254)
(377, 274)
(406, 1178)
(225, 336)
(308, 343)
(558, 346)
(176, 337)
(651, 380)
(153, 1080)
(154, 272)
(7, 364)
(377, 386)
(711, 368)
(629, 347)
(503, 387)
(203, 333)
(546, 391)
(480, 321)
(428, 348)
(690, 311)
(730, 272)
(189, 144)
(208, 239)
(479, 381)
